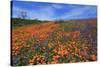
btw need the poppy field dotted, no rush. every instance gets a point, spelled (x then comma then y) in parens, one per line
(54, 42)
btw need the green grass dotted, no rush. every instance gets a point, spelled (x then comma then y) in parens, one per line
(16, 22)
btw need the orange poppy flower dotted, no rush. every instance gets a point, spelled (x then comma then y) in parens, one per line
(56, 57)
(93, 57)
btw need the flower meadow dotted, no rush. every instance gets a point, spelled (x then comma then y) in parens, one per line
(54, 42)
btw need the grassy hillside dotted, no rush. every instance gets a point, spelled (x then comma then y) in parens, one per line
(17, 22)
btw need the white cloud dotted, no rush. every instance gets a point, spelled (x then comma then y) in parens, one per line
(48, 12)
(16, 11)
(77, 13)
(57, 6)
(43, 13)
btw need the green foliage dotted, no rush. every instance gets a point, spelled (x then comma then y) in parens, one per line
(17, 22)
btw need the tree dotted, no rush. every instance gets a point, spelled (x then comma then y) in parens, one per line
(23, 15)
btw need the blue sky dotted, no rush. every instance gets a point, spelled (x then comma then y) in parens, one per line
(53, 11)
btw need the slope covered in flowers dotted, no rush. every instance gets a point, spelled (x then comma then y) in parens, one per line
(54, 42)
